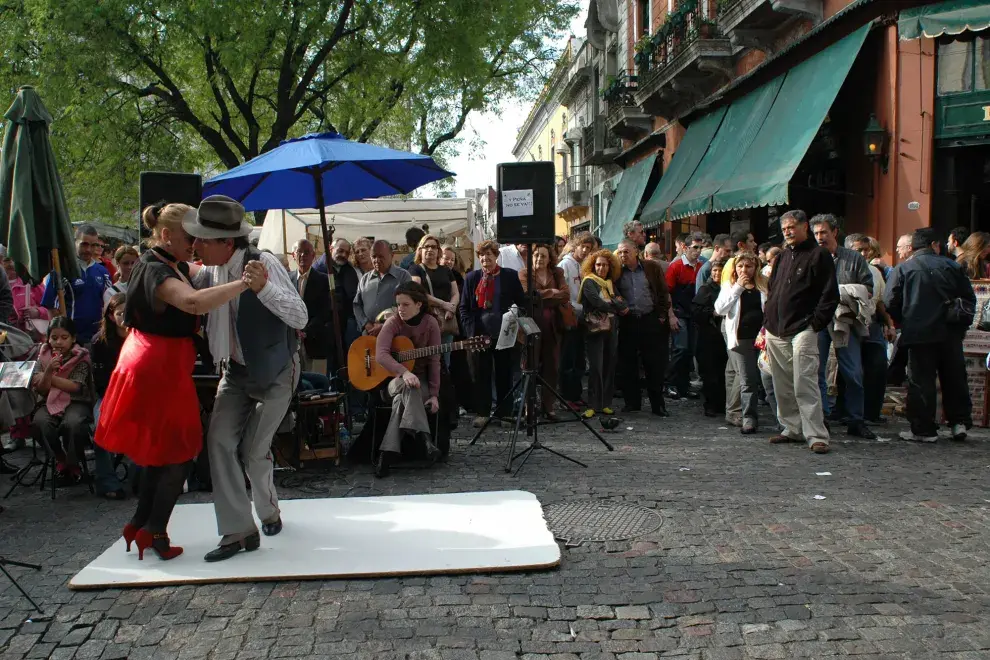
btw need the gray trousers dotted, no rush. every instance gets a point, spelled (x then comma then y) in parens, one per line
(408, 413)
(244, 421)
(744, 359)
(733, 394)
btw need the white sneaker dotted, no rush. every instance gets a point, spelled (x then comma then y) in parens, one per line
(958, 431)
(911, 437)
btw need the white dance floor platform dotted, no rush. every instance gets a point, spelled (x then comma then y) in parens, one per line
(348, 537)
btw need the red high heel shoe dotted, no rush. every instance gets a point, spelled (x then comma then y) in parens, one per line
(129, 534)
(157, 542)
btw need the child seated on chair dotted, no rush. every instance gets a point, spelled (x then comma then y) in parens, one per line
(63, 380)
(414, 393)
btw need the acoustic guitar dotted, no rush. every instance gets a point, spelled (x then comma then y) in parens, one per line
(366, 374)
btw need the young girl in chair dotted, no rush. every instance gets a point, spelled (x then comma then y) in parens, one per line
(63, 379)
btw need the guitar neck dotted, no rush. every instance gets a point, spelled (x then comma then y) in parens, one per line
(416, 353)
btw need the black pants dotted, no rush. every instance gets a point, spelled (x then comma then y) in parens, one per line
(643, 340)
(159, 491)
(572, 363)
(712, 358)
(925, 362)
(499, 362)
(874, 379)
(65, 435)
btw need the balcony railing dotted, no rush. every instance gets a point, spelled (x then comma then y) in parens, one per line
(572, 192)
(682, 28)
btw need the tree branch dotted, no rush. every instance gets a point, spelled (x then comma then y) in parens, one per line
(321, 55)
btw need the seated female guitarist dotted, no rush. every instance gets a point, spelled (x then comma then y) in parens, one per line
(413, 392)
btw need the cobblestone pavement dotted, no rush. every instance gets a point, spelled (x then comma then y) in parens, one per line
(748, 563)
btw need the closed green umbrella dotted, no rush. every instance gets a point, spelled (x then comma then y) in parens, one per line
(34, 221)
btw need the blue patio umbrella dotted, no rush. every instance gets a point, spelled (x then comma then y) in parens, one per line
(321, 169)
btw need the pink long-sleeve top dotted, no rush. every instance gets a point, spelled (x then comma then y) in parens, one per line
(425, 333)
(26, 295)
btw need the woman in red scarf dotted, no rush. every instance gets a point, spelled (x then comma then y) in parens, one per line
(488, 294)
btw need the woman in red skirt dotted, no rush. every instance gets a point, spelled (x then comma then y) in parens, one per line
(150, 412)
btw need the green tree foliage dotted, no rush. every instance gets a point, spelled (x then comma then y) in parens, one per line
(180, 85)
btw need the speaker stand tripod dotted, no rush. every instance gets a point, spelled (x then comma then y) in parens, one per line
(528, 409)
(3, 568)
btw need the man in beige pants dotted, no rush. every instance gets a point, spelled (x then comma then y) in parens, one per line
(802, 299)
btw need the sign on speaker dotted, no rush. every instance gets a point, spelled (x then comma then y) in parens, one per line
(517, 203)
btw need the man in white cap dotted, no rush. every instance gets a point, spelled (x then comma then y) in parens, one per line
(254, 339)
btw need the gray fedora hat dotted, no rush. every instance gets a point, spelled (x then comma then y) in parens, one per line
(218, 216)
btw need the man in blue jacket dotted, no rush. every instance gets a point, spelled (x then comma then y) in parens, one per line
(84, 296)
(926, 294)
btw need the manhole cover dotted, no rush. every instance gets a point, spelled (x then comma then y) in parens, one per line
(577, 522)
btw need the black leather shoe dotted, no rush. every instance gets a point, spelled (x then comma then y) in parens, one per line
(632, 409)
(862, 431)
(249, 544)
(691, 395)
(661, 412)
(271, 529)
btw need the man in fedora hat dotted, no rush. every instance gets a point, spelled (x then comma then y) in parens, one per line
(253, 337)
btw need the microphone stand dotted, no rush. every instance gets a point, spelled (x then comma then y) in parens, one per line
(528, 381)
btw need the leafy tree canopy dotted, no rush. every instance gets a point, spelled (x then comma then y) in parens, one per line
(194, 85)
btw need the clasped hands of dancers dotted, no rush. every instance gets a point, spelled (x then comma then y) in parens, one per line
(150, 411)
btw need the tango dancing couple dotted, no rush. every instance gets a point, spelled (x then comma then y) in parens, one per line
(151, 412)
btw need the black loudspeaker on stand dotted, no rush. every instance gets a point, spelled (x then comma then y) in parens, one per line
(170, 188)
(526, 215)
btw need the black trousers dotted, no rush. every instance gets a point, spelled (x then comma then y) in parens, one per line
(925, 362)
(643, 340)
(159, 491)
(572, 364)
(712, 358)
(500, 363)
(874, 379)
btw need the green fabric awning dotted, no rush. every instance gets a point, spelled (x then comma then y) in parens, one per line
(950, 17)
(808, 91)
(627, 199)
(740, 127)
(689, 154)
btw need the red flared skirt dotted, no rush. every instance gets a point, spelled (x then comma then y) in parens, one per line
(150, 412)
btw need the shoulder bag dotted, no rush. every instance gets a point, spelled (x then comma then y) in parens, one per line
(447, 326)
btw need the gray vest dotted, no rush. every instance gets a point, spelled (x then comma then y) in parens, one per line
(267, 343)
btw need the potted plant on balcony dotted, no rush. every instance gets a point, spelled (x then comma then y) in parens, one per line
(644, 52)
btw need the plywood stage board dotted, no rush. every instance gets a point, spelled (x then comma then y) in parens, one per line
(348, 537)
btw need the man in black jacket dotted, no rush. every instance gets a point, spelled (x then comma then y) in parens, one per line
(924, 295)
(314, 288)
(802, 299)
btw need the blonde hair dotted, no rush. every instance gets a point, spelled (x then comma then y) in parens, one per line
(615, 267)
(742, 257)
(158, 218)
(418, 259)
(458, 262)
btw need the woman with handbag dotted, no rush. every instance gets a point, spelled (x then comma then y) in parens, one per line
(741, 304)
(599, 271)
(549, 283)
(440, 285)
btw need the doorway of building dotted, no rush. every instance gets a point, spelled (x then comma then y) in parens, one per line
(962, 188)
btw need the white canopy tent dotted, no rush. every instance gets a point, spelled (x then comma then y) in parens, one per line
(386, 219)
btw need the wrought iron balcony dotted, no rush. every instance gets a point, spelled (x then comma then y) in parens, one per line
(598, 145)
(572, 194)
(683, 62)
(623, 117)
(758, 23)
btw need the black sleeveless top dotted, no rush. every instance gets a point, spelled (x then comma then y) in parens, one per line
(146, 313)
